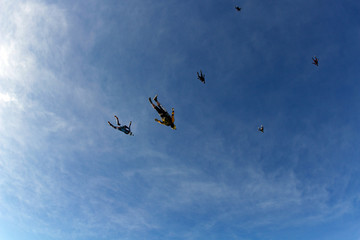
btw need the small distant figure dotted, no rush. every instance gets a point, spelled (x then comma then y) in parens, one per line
(125, 129)
(261, 128)
(315, 61)
(166, 119)
(201, 77)
(238, 8)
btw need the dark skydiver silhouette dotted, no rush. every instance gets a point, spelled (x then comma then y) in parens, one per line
(315, 61)
(261, 128)
(201, 77)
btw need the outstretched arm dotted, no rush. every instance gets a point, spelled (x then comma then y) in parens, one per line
(117, 120)
(130, 124)
(157, 120)
(172, 115)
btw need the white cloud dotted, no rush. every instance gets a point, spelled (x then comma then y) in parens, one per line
(33, 33)
(37, 105)
(6, 98)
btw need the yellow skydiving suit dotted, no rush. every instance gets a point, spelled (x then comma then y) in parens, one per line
(165, 117)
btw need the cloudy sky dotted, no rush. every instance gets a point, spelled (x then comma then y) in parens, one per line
(67, 67)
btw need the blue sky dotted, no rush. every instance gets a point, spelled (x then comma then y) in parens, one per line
(67, 68)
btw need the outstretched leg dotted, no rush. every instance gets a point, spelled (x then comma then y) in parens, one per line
(158, 108)
(152, 103)
(157, 102)
(111, 125)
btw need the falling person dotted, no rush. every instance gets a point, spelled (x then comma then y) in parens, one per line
(201, 76)
(261, 128)
(125, 129)
(315, 61)
(166, 119)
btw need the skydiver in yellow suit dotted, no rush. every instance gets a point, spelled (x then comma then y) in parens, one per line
(166, 119)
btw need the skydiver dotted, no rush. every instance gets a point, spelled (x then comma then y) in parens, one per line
(261, 128)
(125, 129)
(201, 77)
(238, 8)
(315, 61)
(166, 119)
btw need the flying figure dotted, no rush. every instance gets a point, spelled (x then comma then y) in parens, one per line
(261, 128)
(201, 77)
(315, 61)
(125, 129)
(238, 8)
(166, 119)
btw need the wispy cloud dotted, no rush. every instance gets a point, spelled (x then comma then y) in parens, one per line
(63, 170)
